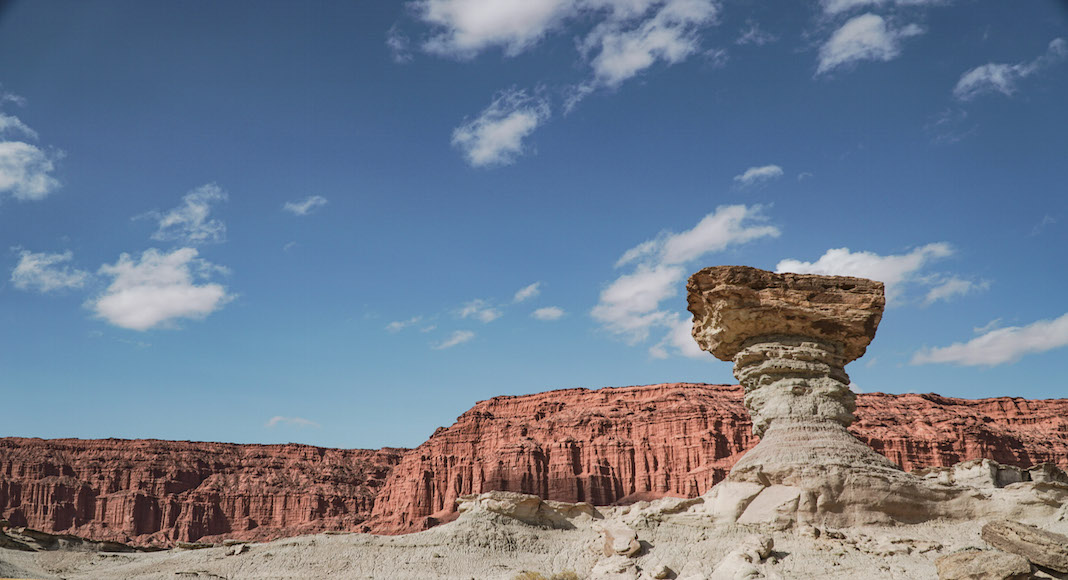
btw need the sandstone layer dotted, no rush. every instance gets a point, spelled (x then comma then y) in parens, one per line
(605, 446)
(617, 445)
(160, 492)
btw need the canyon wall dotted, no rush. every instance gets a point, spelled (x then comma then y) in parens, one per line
(612, 445)
(616, 445)
(159, 492)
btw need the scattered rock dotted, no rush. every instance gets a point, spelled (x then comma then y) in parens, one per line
(1037, 545)
(620, 539)
(983, 565)
(743, 562)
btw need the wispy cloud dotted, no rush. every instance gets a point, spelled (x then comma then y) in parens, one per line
(399, 325)
(527, 292)
(399, 45)
(305, 206)
(624, 46)
(895, 271)
(548, 313)
(630, 306)
(1047, 220)
(190, 222)
(46, 272)
(753, 34)
(952, 287)
(157, 289)
(25, 169)
(864, 37)
(496, 136)
(480, 310)
(1005, 78)
(456, 338)
(835, 7)
(756, 175)
(290, 421)
(1000, 346)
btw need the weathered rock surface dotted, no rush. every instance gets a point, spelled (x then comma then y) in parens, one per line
(612, 445)
(733, 304)
(159, 492)
(983, 565)
(1037, 545)
(616, 445)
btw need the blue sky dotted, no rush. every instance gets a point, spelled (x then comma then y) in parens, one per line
(344, 223)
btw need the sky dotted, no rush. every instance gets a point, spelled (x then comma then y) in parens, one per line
(344, 223)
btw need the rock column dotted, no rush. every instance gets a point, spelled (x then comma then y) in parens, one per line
(790, 337)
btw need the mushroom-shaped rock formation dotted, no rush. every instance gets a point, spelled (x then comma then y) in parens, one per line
(790, 337)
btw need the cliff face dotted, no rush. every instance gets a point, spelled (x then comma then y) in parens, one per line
(620, 444)
(605, 446)
(159, 492)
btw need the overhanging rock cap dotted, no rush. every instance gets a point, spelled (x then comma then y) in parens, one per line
(732, 304)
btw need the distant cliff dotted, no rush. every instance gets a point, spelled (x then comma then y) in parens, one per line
(160, 492)
(600, 446)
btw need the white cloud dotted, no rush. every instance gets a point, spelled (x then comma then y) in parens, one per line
(306, 205)
(398, 45)
(753, 34)
(625, 48)
(24, 171)
(864, 37)
(1004, 78)
(527, 292)
(548, 313)
(465, 27)
(42, 272)
(293, 421)
(835, 7)
(24, 168)
(14, 124)
(630, 306)
(1000, 346)
(457, 337)
(987, 327)
(761, 174)
(158, 289)
(399, 325)
(480, 310)
(952, 287)
(496, 136)
(894, 270)
(189, 223)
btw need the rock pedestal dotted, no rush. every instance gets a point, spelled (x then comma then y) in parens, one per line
(790, 337)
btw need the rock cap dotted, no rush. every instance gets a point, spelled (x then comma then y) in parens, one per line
(733, 304)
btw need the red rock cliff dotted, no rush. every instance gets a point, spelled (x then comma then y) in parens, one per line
(601, 446)
(618, 444)
(159, 492)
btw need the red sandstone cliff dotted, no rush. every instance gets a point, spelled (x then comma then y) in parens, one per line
(618, 444)
(159, 492)
(604, 446)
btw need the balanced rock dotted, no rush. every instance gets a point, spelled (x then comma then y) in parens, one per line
(790, 337)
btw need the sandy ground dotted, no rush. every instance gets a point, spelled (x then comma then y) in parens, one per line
(491, 546)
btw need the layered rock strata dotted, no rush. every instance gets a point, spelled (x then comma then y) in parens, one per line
(617, 445)
(160, 492)
(612, 445)
(790, 337)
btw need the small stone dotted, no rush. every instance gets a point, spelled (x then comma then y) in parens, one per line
(984, 565)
